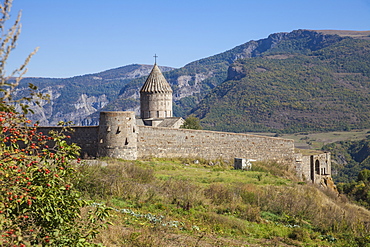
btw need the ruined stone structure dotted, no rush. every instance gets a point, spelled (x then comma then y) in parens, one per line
(157, 134)
(314, 167)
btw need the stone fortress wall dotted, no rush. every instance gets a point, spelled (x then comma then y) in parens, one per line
(84, 136)
(118, 136)
(211, 145)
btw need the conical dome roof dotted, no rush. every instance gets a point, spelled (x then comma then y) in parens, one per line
(156, 83)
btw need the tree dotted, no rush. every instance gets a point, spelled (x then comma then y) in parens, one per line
(364, 175)
(192, 122)
(39, 205)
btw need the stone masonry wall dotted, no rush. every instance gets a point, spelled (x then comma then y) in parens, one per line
(85, 137)
(303, 166)
(165, 142)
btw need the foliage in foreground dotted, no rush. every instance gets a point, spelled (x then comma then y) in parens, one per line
(39, 205)
(166, 202)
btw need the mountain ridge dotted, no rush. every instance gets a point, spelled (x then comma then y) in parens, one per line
(294, 92)
(347, 33)
(197, 79)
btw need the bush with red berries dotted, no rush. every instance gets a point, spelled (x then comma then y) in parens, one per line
(38, 202)
(39, 205)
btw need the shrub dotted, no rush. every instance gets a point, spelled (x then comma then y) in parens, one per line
(220, 194)
(223, 223)
(248, 212)
(38, 202)
(125, 181)
(183, 193)
(300, 234)
(139, 174)
(248, 193)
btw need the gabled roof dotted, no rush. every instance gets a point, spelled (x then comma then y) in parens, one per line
(156, 83)
(172, 122)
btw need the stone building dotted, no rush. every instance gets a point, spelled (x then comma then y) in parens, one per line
(156, 101)
(157, 134)
(315, 167)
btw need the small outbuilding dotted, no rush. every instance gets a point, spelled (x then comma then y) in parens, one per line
(243, 164)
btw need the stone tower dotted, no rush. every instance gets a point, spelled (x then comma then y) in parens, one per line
(155, 96)
(117, 135)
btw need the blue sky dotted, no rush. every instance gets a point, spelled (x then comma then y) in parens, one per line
(78, 37)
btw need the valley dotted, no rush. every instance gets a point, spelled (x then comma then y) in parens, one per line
(301, 81)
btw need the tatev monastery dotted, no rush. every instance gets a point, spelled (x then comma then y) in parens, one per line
(156, 133)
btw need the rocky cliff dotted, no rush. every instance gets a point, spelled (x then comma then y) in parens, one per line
(74, 99)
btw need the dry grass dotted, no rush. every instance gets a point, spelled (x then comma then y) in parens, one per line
(317, 140)
(218, 206)
(348, 33)
(117, 236)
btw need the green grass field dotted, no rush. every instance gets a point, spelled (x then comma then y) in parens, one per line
(178, 202)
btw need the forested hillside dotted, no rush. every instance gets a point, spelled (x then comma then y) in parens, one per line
(298, 85)
(288, 82)
(349, 158)
(195, 80)
(351, 169)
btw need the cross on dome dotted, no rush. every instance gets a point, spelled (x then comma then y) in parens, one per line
(155, 58)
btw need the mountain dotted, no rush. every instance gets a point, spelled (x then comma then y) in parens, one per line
(309, 81)
(304, 80)
(73, 99)
(193, 81)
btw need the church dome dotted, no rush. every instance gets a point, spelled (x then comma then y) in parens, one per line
(156, 83)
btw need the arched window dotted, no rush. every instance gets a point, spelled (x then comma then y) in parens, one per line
(317, 167)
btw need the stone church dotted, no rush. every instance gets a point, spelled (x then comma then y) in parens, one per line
(156, 102)
(156, 133)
